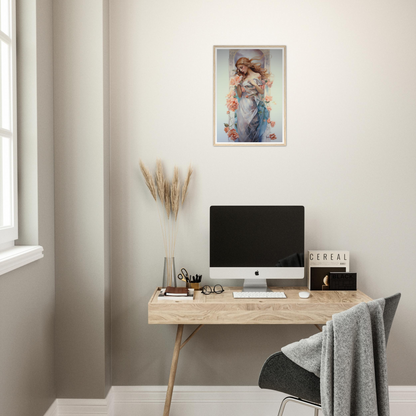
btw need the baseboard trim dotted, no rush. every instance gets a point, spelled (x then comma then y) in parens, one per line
(190, 394)
(83, 407)
(402, 394)
(203, 400)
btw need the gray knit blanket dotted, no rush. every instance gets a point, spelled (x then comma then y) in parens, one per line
(349, 356)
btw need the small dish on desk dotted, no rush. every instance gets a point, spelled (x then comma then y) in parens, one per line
(304, 295)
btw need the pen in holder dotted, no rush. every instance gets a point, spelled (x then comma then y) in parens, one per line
(192, 282)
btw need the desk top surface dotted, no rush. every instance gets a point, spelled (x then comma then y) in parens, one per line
(218, 309)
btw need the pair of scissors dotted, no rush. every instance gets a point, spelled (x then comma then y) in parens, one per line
(184, 275)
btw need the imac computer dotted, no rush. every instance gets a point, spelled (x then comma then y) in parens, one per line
(256, 242)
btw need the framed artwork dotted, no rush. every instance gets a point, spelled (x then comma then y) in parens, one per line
(249, 95)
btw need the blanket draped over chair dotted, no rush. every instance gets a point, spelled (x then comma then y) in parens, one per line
(349, 356)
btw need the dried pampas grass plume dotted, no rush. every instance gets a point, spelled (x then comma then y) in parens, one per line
(167, 197)
(186, 183)
(170, 198)
(174, 193)
(148, 179)
(160, 180)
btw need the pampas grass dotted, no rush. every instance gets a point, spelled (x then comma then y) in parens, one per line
(186, 183)
(168, 209)
(148, 179)
(174, 193)
(166, 199)
(160, 179)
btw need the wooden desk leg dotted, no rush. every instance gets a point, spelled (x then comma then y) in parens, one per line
(173, 368)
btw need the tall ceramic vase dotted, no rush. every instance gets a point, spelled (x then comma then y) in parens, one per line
(169, 272)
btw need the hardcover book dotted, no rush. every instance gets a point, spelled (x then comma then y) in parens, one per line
(323, 262)
(176, 291)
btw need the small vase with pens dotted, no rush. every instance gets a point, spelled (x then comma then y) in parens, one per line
(192, 282)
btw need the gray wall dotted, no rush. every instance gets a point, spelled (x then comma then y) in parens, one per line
(27, 295)
(82, 198)
(349, 160)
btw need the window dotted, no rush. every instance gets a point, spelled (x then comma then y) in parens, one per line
(11, 255)
(8, 146)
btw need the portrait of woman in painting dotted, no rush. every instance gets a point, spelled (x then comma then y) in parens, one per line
(248, 105)
(252, 114)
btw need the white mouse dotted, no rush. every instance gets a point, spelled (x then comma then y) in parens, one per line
(304, 295)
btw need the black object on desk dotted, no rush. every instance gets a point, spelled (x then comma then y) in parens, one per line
(342, 281)
(196, 279)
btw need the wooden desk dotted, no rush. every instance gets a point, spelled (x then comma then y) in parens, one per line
(223, 309)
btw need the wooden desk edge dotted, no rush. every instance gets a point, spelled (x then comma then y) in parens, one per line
(296, 312)
(152, 298)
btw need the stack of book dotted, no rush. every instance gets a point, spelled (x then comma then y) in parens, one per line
(176, 293)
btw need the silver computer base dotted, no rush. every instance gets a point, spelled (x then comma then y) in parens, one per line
(255, 285)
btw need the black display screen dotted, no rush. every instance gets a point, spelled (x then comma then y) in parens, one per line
(257, 236)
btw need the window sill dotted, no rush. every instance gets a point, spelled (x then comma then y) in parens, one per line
(18, 256)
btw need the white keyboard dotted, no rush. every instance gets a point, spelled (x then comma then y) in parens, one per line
(259, 295)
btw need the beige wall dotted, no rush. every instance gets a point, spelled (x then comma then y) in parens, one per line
(27, 295)
(349, 160)
(82, 198)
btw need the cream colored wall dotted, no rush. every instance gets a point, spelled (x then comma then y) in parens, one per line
(349, 160)
(81, 132)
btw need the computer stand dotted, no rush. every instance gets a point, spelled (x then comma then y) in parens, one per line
(255, 285)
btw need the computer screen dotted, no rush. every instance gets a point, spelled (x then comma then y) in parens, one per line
(257, 242)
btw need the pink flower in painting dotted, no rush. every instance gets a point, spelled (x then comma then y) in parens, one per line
(243, 89)
(226, 129)
(269, 108)
(273, 137)
(235, 80)
(232, 104)
(233, 135)
(268, 98)
(272, 123)
(268, 120)
(270, 84)
(228, 112)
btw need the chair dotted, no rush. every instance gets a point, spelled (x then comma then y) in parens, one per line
(281, 374)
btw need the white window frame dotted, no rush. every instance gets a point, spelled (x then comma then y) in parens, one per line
(9, 233)
(11, 256)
